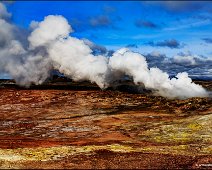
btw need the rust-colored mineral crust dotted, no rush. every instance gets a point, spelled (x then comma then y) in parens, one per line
(91, 128)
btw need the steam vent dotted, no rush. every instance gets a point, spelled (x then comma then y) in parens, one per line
(105, 85)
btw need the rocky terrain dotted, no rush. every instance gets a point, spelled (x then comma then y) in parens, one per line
(63, 124)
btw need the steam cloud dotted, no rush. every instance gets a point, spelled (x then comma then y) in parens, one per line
(49, 46)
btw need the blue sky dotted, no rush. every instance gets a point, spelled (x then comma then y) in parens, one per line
(166, 27)
(174, 36)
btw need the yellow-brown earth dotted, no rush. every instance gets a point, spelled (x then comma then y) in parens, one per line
(78, 127)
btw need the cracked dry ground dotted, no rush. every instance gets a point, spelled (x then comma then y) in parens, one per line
(103, 129)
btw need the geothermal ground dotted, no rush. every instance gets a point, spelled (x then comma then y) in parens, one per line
(63, 124)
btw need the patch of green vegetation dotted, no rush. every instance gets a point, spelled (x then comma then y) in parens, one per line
(13, 158)
(188, 130)
(54, 153)
(195, 126)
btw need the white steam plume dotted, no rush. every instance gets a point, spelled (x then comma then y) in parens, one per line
(24, 65)
(69, 55)
(135, 65)
(51, 47)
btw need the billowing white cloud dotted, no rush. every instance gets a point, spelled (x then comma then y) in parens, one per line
(188, 60)
(53, 27)
(135, 65)
(197, 67)
(24, 65)
(50, 46)
(3, 12)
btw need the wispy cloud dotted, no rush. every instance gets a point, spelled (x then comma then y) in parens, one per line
(147, 24)
(179, 6)
(189, 25)
(172, 43)
(207, 40)
(195, 65)
(132, 46)
(101, 20)
(109, 9)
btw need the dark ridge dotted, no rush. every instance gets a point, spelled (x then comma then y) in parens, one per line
(63, 83)
(53, 86)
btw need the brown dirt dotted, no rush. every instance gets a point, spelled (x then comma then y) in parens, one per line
(47, 118)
